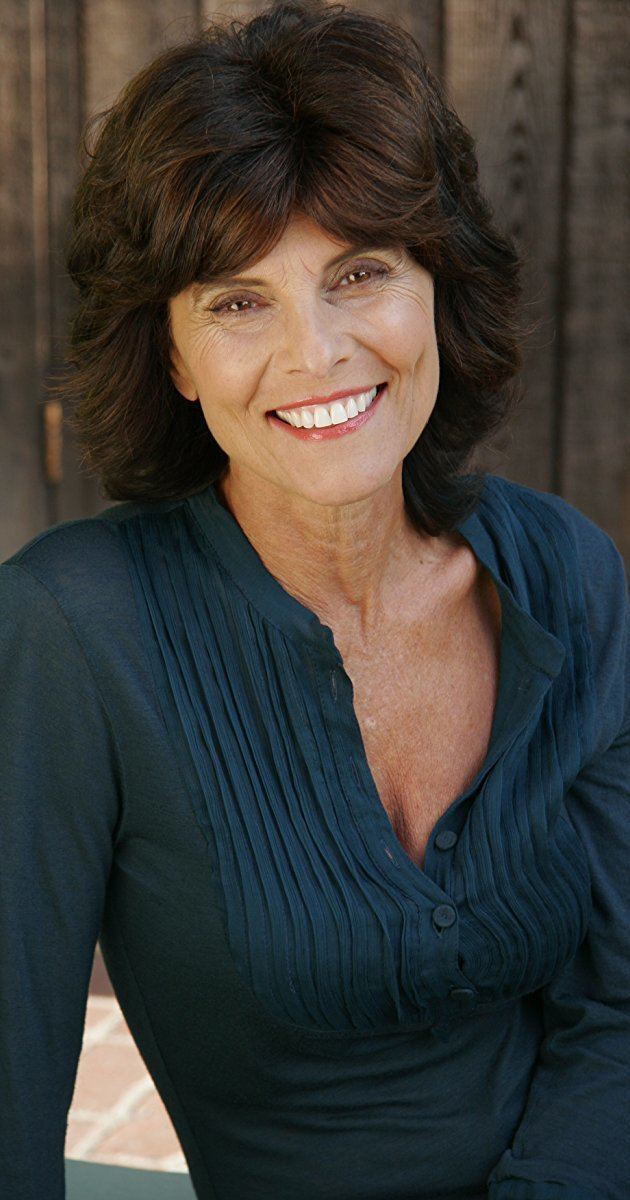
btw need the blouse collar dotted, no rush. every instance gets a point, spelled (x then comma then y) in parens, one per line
(541, 652)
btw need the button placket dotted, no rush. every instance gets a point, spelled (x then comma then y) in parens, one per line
(443, 916)
(440, 967)
(464, 997)
(445, 839)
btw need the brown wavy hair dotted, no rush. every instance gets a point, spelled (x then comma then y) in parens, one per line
(198, 167)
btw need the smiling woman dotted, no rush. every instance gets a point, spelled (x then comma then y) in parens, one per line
(366, 324)
(325, 738)
(215, 154)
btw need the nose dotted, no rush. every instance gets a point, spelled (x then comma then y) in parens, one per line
(314, 338)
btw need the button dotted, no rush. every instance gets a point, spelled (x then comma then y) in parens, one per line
(462, 993)
(445, 839)
(444, 915)
(464, 998)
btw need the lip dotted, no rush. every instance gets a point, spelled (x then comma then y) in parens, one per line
(331, 431)
(323, 399)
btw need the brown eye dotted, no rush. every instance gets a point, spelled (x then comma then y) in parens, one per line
(356, 275)
(364, 269)
(225, 305)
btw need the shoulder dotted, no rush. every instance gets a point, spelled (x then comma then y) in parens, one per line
(547, 523)
(79, 567)
(571, 557)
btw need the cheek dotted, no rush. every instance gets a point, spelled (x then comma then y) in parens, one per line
(227, 374)
(227, 383)
(407, 332)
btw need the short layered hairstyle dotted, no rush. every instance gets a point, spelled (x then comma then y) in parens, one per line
(198, 167)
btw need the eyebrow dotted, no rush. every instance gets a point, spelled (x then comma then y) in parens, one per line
(224, 278)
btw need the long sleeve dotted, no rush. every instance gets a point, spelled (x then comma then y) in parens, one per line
(59, 807)
(573, 1141)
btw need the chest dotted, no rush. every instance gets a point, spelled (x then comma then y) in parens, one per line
(426, 716)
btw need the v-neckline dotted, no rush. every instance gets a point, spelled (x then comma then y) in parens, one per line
(531, 657)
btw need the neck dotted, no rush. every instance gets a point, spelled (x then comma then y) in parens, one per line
(361, 567)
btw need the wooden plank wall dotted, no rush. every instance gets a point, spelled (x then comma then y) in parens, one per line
(544, 86)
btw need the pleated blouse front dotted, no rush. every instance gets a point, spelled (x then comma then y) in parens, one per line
(318, 1012)
(331, 922)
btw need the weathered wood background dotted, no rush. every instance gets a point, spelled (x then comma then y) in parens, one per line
(544, 86)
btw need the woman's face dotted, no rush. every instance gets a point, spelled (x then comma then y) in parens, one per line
(310, 327)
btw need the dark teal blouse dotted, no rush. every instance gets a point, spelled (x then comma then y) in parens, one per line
(182, 776)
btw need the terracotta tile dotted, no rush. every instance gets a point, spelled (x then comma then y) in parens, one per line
(122, 1026)
(176, 1163)
(117, 1039)
(148, 1133)
(95, 1016)
(100, 983)
(76, 1131)
(105, 1073)
(108, 1007)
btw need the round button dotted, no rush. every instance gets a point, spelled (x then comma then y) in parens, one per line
(445, 839)
(462, 993)
(444, 915)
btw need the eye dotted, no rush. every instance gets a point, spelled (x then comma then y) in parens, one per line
(364, 269)
(226, 304)
(359, 270)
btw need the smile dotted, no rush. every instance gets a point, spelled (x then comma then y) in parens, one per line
(321, 422)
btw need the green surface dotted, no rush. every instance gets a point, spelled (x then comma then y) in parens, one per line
(96, 1181)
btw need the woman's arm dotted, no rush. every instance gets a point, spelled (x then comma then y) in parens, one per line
(59, 805)
(573, 1140)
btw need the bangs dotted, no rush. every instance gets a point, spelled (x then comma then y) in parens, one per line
(221, 210)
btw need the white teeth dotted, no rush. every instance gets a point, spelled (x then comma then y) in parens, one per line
(321, 415)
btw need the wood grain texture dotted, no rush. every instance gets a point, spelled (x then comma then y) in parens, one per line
(595, 444)
(76, 491)
(504, 67)
(120, 38)
(225, 10)
(23, 283)
(421, 18)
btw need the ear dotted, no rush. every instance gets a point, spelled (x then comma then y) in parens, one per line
(180, 376)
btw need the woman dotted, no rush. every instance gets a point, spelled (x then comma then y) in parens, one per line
(324, 738)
